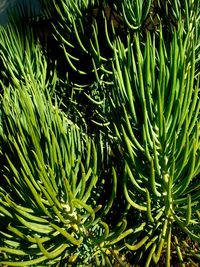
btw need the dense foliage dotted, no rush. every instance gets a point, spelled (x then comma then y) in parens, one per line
(100, 134)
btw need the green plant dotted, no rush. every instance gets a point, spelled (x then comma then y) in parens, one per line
(22, 59)
(156, 120)
(50, 186)
(99, 143)
(135, 12)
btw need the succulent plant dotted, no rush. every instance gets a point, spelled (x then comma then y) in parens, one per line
(99, 143)
(156, 120)
(50, 186)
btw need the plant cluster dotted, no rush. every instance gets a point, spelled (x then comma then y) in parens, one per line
(100, 134)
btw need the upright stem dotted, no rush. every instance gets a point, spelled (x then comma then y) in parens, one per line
(168, 210)
(168, 250)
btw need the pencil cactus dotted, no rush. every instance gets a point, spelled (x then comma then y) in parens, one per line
(156, 120)
(99, 143)
(50, 186)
